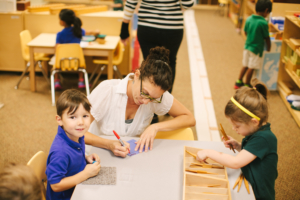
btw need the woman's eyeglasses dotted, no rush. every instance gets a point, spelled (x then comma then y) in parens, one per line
(145, 96)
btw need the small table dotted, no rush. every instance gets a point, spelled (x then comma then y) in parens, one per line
(45, 43)
(156, 174)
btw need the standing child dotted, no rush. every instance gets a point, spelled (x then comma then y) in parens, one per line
(247, 111)
(67, 164)
(257, 31)
(72, 33)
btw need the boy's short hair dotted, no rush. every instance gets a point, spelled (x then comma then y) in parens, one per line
(262, 5)
(19, 182)
(71, 99)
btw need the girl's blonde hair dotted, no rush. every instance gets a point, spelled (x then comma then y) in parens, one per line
(253, 99)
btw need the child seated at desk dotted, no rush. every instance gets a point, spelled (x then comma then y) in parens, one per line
(247, 111)
(72, 33)
(67, 163)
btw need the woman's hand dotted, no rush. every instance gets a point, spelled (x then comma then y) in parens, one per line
(93, 157)
(117, 149)
(235, 144)
(146, 139)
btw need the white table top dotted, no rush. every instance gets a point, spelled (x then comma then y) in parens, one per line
(49, 40)
(157, 174)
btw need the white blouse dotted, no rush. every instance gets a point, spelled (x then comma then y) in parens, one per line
(109, 100)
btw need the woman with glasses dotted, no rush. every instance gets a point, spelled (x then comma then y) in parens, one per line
(128, 105)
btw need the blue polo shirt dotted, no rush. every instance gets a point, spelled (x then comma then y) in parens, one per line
(67, 36)
(66, 158)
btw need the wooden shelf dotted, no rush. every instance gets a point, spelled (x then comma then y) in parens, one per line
(294, 20)
(294, 76)
(251, 6)
(274, 27)
(294, 113)
(287, 78)
(236, 5)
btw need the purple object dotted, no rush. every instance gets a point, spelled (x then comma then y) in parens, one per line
(132, 147)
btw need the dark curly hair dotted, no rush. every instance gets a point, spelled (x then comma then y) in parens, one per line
(156, 67)
(69, 17)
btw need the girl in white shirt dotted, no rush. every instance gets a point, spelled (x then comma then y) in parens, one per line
(128, 105)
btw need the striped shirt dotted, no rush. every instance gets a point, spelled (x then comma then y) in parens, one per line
(162, 14)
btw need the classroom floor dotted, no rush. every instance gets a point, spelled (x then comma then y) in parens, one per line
(27, 120)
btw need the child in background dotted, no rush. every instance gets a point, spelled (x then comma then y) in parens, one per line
(257, 31)
(247, 111)
(19, 182)
(72, 33)
(67, 164)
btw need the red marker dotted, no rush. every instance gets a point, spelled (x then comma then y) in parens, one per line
(118, 137)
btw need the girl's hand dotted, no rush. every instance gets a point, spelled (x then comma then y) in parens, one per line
(91, 158)
(202, 155)
(146, 139)
(235, 144)
(117, 149)
(92, 169)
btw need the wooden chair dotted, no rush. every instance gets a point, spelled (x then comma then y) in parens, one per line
(179, 134)
(38, 163)
(25, 37)
(68, 58)
(223, 7)
(117, 59)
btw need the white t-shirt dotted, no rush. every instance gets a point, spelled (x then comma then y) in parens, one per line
(109, 100)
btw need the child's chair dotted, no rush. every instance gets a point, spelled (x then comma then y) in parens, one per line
(223, 7)
(179, 134)
(25, 37)
(117, 59)
(68, 58)
(39, 163)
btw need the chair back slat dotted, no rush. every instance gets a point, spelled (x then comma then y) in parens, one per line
(25, 37)
(39, 163)
(69, 57)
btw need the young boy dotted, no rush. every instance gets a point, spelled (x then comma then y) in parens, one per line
(67, 164)
(257, 31)
(19, 182)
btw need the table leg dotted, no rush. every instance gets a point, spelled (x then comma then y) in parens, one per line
(32, 70)
(110, 71)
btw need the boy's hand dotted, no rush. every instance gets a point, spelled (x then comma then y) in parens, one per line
(235, 144)
(202, 155)
(92, 169)
(91, 158)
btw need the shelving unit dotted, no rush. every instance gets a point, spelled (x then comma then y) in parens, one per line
(234, 10)
(289, 82)
(249, 9)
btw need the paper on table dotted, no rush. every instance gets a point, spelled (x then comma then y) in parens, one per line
(106, 176)
(132, 147)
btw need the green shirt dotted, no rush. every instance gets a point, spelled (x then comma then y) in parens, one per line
(117, 2)
(262, 171)
(257, 30)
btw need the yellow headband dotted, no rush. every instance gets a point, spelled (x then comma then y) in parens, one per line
(244, 109)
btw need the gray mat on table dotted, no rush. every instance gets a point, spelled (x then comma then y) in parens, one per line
(106, 176)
